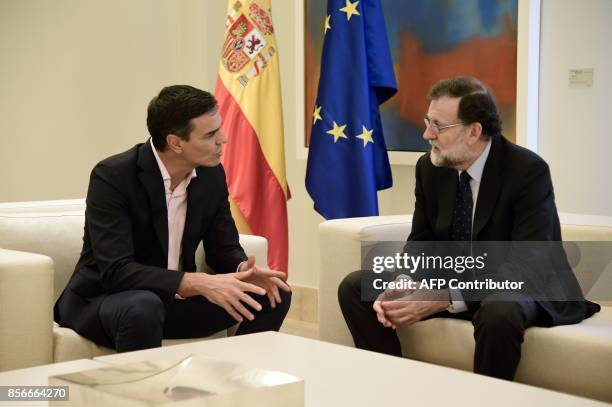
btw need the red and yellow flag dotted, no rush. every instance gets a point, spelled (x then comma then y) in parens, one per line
(249, 96)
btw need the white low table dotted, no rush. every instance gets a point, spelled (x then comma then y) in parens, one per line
(342, 376)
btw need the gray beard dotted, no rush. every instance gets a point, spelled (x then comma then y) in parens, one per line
(453, 161)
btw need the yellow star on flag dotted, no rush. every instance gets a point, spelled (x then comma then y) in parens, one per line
(366, 136)
(337, 132)
(316, 115)
(350, 9)
(327, 24)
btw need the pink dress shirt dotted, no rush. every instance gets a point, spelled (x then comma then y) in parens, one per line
(176, 203)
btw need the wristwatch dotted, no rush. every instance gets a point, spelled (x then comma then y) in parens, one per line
(450, 307)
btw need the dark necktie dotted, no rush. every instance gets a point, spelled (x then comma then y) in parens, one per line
(461, 228)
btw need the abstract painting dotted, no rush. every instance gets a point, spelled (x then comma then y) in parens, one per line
(431, 40)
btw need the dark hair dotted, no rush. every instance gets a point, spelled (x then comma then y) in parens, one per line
(476, 105)
(171, 112)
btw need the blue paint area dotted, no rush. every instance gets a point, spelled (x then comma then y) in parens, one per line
(441, 25)
(488, 14)
(401, 135)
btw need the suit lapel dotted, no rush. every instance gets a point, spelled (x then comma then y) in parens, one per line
(151, 178)
(489, 188)
(446, 201)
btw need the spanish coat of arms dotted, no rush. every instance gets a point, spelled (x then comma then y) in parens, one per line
(245, 41)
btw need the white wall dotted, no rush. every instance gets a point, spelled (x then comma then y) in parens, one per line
(75, 79)
(575, 136)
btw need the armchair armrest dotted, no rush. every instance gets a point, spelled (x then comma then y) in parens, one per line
(26, 309)
(340, 253)
(253, 245)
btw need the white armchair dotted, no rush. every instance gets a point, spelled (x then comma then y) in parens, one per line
(576, 358)
(40, 243)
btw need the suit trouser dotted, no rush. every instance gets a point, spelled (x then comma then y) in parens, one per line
(499, 327)
(138, 319)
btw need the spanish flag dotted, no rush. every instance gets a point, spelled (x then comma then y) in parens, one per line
(249, 96)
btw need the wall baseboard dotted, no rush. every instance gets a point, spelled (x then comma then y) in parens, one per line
(304, 304)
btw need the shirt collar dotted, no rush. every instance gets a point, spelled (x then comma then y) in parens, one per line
(477, 167)
(162, 168)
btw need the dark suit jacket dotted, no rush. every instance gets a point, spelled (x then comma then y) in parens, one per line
(515, 203)
(125, 244)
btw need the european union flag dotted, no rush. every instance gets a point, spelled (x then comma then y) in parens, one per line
(347, 161)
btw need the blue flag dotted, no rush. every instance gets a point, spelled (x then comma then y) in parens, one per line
(347, 160)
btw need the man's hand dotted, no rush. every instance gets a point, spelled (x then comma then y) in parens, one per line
(263, 277)
(399, 307)
(388, 295)
(228, 291)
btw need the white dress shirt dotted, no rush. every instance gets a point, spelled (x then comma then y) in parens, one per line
(475, 171)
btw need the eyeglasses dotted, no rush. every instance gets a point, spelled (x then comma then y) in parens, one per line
(436, 128)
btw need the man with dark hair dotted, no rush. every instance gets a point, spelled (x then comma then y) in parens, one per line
(474, 186)
(147, 211)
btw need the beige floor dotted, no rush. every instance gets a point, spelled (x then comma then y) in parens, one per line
(303, 317)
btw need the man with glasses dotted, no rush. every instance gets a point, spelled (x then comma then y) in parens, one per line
(474, 185)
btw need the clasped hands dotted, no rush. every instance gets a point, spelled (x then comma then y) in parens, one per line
(405, 307)
(230, 291)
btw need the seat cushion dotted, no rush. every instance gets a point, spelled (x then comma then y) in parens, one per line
(575, 359)
(68, 345)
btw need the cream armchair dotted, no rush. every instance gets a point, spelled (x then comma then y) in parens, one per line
(575, 359)
(40, 243)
